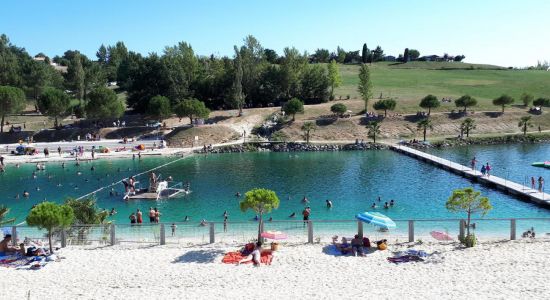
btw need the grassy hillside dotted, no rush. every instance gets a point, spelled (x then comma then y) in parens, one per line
(408, 83)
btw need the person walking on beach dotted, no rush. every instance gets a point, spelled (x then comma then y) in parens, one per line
(541, 183)
(151, 215)
(139, 216)
(488, 170)
(59, 150)
(473, 163)
(532, 182)
(173, 226)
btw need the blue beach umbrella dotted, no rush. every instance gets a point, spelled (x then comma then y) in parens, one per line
(376, 219)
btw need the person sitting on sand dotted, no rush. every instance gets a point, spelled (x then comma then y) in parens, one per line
(344, 247)
(382, 244)
(5, 248)
(357, 246)
(254, 257)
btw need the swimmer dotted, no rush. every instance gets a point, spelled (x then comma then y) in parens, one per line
(203, 222)
(133, 156)
(17, 196)
(329, 203)
(379, 199)
(305, 200)
(225, 213)
(292, 215)
(256, 218)
(76, 187)
(391, 202)
(92, 168)
(237, 194)
(186, 219)
(169, 178)
(63, 165)
(78, 173)
(17, 165)
(33, 174)
(373, 205)
(26, 194)
(386, 205)
(86, 180)
(113, 212)
(37, 188)
(59, 184)
(270, 219)
(118, 170)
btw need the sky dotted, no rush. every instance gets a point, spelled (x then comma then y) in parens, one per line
(505, 32)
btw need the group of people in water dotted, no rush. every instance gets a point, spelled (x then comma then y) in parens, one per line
(137, 217)
(387, 204)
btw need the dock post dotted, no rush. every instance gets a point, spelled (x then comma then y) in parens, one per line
(112, 234)
(162, 235)
(360, 228)
(14, 236)
(411, 231)
(461, 229)
(512, 229)
(309, 232)
(212, 233)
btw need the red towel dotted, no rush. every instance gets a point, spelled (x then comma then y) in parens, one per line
(235, 257)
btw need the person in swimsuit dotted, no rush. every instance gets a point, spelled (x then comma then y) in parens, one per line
(133, 219)
(157, 215)
(5, 248)
(151, 215)
(488, 170)
(344, 247)
(139, 216)
(329, 203)
(255, 256)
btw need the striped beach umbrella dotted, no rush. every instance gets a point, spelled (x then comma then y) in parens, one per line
(376, 219)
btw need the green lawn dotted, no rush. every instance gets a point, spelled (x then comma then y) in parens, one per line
(408, 83)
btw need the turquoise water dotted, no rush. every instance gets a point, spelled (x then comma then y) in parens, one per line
(352, 180)
(511, 162)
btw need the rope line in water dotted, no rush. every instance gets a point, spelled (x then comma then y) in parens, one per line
(137, 175)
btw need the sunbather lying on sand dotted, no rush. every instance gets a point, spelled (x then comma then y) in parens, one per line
(344, 246)
(254, 256)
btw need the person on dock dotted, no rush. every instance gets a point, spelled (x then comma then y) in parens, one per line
(532, 182)
(541, 183)
(488, 169)
(483, 170)
(139, 216)
(473, 163)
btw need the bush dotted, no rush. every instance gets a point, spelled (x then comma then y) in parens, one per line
(348, 97)
(338, 109)
(279, 136)
(469, 240)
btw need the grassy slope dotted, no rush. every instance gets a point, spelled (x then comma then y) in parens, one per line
(408, 83)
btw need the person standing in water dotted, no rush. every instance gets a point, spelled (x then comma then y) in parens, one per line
(173, 226)
(329, 203)
(133, 219)
(139, 216)
(151, 215)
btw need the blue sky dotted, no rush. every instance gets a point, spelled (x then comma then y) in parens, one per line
(508, 33)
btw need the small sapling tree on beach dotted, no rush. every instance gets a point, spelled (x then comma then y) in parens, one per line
(424, 125)
(50, 216)
(503, 101)
(465, 102)
(307, 128)
(339, 109)
(374, 129)
(293, 107)
(468, 125)
(469, 201)
(261, 201)
(524, 123)
(429, 102)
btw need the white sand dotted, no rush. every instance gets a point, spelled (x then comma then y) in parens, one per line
(492, 270)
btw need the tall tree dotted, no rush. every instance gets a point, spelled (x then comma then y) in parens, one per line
(191, 108)
(527, 99)
(406, 55)
(465, 101)
(340, 55)
(10, 67)
(261, 201)
(180, 70)
(103, 103)
(468, 125)
(321, 56)
(307, 128)
(12, 100)
(76, 76)
(50, 216)
(293, 107)
(293, 65)
(333, 77)
(159, 107)
(385, 105)
(425, 125)
(373, 128)
(503, 101)
(271, 56)
(365, 85)
(429, 102)
(101, 54)
(378, 54)
(413, 54)
(365, 54)
(54, 103)
(524, 123)
(314, 84)
(237, 98)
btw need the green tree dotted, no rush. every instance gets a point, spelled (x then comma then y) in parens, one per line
(467, 125)
(237, 98)
(424, 125)
(465, 101)
(385, 105)
(159, 107)
(3, 213)
(103, 103)
(469, 201)
(37, 78)
(340, 55)
(261, 201)
(54, 103)
(12, 101)
(524, 123)
(540, 102)
(333, 77)
(374, 129)
(293, 107)
(307, 128)
(406, 55)
(191, 108)
(339, 109)
(364, 54)
(271, 56)
(101, 54)
(527, 99)
(413, 54)
(314, 84)
(50, 216)
(430, 102)
(365, 84)
(503, 101)
(378, 54)
(86, 212)
(321, 56)
(76, 76)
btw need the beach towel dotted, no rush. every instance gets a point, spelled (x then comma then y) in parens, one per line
(404, 258)
(235, 257)
(14, 261)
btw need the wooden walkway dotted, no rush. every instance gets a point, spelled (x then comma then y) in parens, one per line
(508, 186)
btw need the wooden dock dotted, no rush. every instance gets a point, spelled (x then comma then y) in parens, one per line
(505, 185)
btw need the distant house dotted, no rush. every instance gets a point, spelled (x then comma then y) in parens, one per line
(390, 58)
(431, 58)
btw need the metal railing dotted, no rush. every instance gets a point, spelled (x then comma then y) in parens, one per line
(298, 232)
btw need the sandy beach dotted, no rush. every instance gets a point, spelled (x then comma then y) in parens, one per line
(492, 270)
